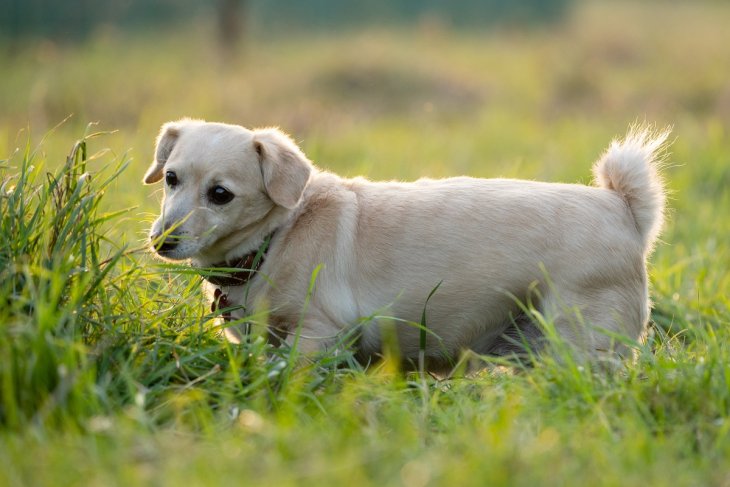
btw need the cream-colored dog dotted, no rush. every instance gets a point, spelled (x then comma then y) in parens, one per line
(251, 199)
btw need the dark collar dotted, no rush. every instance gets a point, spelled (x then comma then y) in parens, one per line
(246, 267)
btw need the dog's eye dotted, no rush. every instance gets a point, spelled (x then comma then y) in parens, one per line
(219, 195)
(171, 179)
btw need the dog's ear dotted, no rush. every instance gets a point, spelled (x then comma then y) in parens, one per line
(284, 166)
(165, 142)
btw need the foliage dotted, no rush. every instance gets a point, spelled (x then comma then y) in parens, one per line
(281, 15)
(74, 19)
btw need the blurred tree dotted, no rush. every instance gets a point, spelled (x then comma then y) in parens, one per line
(231, 21)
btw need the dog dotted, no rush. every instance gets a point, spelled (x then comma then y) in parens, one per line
(318, 255)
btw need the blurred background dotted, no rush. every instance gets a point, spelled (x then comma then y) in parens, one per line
(334, 68)
(393, 89)
(326, 65)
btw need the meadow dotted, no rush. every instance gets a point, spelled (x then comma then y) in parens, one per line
(111, 373)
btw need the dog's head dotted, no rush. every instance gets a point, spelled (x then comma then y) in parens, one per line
(222, 184)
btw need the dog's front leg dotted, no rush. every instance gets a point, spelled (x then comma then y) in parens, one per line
(312, 335)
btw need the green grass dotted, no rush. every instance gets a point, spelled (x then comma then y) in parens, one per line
(111, 375)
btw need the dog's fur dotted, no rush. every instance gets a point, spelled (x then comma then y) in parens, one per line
(577, 253)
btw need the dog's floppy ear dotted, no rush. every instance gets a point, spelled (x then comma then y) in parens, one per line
(165, 142)
(284, 166)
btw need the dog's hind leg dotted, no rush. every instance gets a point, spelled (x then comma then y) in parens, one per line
(598, 322)
(521, 339)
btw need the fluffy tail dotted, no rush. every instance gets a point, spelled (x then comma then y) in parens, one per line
(630, 167)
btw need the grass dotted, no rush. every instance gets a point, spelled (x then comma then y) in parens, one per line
(110, 374)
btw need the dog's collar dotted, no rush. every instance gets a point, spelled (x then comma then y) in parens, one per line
(247, 265)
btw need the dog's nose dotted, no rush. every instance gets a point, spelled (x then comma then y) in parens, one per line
(163, 246)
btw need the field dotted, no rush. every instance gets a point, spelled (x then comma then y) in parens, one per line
(110, 374)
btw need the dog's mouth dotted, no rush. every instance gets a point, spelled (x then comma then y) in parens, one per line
(167, 246)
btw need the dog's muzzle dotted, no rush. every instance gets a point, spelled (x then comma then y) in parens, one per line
(165, 246)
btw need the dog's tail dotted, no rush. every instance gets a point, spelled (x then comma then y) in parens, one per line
(630, 167)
